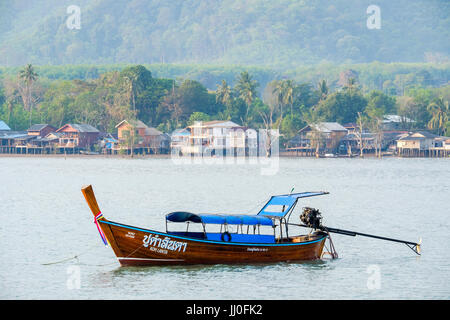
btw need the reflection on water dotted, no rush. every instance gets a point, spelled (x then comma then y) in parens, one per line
(219, 268)
(45, 218)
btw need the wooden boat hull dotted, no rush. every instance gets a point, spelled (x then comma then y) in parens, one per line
(135, 246)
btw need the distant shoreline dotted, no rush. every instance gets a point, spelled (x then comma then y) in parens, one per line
(77, 155)
(169, 156)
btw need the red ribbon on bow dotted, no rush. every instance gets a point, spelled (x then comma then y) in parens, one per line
(100, 231)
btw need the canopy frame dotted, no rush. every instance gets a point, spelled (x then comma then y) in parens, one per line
(286, 199)
(261, 218)
(221, 219)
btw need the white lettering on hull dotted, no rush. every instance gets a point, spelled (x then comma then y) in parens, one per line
(160, 245)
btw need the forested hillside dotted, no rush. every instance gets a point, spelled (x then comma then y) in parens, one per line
(281, 33)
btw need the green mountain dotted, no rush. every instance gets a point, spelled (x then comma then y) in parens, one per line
(278, 33)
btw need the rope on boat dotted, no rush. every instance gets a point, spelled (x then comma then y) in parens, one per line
(107, 264)
(68, 259)
(98, 265)
(87, 264)
(332, 251)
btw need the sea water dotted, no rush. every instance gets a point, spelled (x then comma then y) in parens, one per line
(50, 247)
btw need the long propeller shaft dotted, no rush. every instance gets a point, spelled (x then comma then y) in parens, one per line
(412, 245)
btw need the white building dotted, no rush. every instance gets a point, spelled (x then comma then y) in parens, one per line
(214, 137)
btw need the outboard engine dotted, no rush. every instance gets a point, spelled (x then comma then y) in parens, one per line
(311, 217)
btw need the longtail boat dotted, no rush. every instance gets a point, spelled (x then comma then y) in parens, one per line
(240, 239)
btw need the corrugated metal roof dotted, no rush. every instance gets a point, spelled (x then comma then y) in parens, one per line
(152, 132)
(38, 127)
(4, 126)
(217, 124)
(138, 124)
(27, 137)
(220, 123)
(420, 135)
(81, 128)
(328, 127)
(13, 134)
(85, 128)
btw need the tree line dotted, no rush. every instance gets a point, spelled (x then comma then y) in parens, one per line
(168, 104)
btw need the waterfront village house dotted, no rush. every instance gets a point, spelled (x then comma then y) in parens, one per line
(441, 147)
(77, 136)
(126, 127)
(157, 141)
(324, 137)
(217, 137)
(145, 139)
(9, 138)
(352, 143)
(179, 139)
(40, 130)
(390, 138)
(416, 144)
(391, 133)
(33, 142)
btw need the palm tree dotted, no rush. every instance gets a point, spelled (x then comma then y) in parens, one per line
(289, 88)
(246, 89)
(323, 90)
(29, 77)
(224, 95)
(284, 92)
(439, 110)
(279, 92)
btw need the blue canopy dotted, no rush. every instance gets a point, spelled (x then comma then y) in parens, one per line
(219, 218)
(276, 207)
(279, 206)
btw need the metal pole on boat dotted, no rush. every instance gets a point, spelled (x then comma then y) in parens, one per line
(412, 245)
(281, 229)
